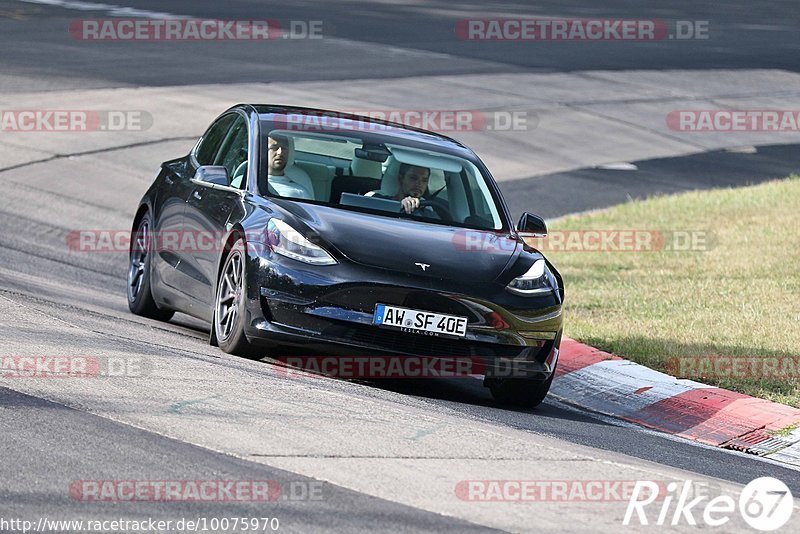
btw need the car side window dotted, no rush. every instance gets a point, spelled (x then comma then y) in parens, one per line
(233, 154)
(212, 139)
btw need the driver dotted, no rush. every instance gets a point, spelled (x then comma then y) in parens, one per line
(413, 183)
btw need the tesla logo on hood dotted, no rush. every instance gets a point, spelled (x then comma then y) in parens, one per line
(422, 266)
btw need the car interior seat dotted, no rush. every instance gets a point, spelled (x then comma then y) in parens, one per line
(390, 186)
(295, 173)
(366, 168)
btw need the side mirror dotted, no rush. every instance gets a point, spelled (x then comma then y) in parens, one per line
(212, 174)
(531, 225)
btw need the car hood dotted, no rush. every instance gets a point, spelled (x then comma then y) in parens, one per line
(409, 246)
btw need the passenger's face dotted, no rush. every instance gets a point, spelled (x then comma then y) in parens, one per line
(415, 182)
(278, 153)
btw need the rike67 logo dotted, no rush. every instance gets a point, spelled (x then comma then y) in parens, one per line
(765, 504)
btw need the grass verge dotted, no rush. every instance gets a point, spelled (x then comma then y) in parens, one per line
(725, 311)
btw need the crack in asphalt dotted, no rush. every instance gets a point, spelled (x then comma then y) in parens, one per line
(55, 157)
(146, 344)
(8, 246)
(40, 191)
(98, 315)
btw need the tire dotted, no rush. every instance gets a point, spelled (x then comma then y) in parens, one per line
(140, 295)
(521, 392)
(229, 304)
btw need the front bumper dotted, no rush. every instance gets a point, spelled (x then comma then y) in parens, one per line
(323, 311)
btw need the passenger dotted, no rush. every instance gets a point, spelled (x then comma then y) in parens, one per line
(281, 172)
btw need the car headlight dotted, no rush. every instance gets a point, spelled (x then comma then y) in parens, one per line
(286, 241)
(534, 282)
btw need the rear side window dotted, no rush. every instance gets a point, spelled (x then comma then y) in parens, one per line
(213, 137)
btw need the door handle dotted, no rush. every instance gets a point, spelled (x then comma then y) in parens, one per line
(196, 194)
(169, 180)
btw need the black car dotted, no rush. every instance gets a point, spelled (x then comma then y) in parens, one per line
(343, 235)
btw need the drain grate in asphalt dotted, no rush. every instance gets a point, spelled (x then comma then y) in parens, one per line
(760, 442)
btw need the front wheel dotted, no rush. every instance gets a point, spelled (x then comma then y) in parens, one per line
(140, 296)
(522, 392)
(229, 304)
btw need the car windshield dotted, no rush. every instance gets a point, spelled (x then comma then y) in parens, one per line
(364, 168)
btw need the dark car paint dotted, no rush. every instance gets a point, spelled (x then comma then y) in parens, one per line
(398, 244)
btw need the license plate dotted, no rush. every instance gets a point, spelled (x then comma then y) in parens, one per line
(420, 322)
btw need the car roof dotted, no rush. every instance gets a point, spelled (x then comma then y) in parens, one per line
(397, 130)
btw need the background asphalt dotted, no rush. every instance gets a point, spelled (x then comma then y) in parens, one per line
(377, 39)
(596, 188)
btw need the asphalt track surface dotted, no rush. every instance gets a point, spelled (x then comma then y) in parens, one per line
(189, 417)
(596, 188)
(378, 39)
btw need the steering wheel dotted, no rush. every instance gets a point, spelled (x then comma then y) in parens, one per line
(440, 210)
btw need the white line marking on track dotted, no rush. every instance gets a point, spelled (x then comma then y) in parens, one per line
(111, 9)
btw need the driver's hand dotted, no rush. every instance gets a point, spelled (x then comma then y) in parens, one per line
(410, 204)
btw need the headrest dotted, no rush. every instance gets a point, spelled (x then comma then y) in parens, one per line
(289, 151)
(389, 184)
(366, 168)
